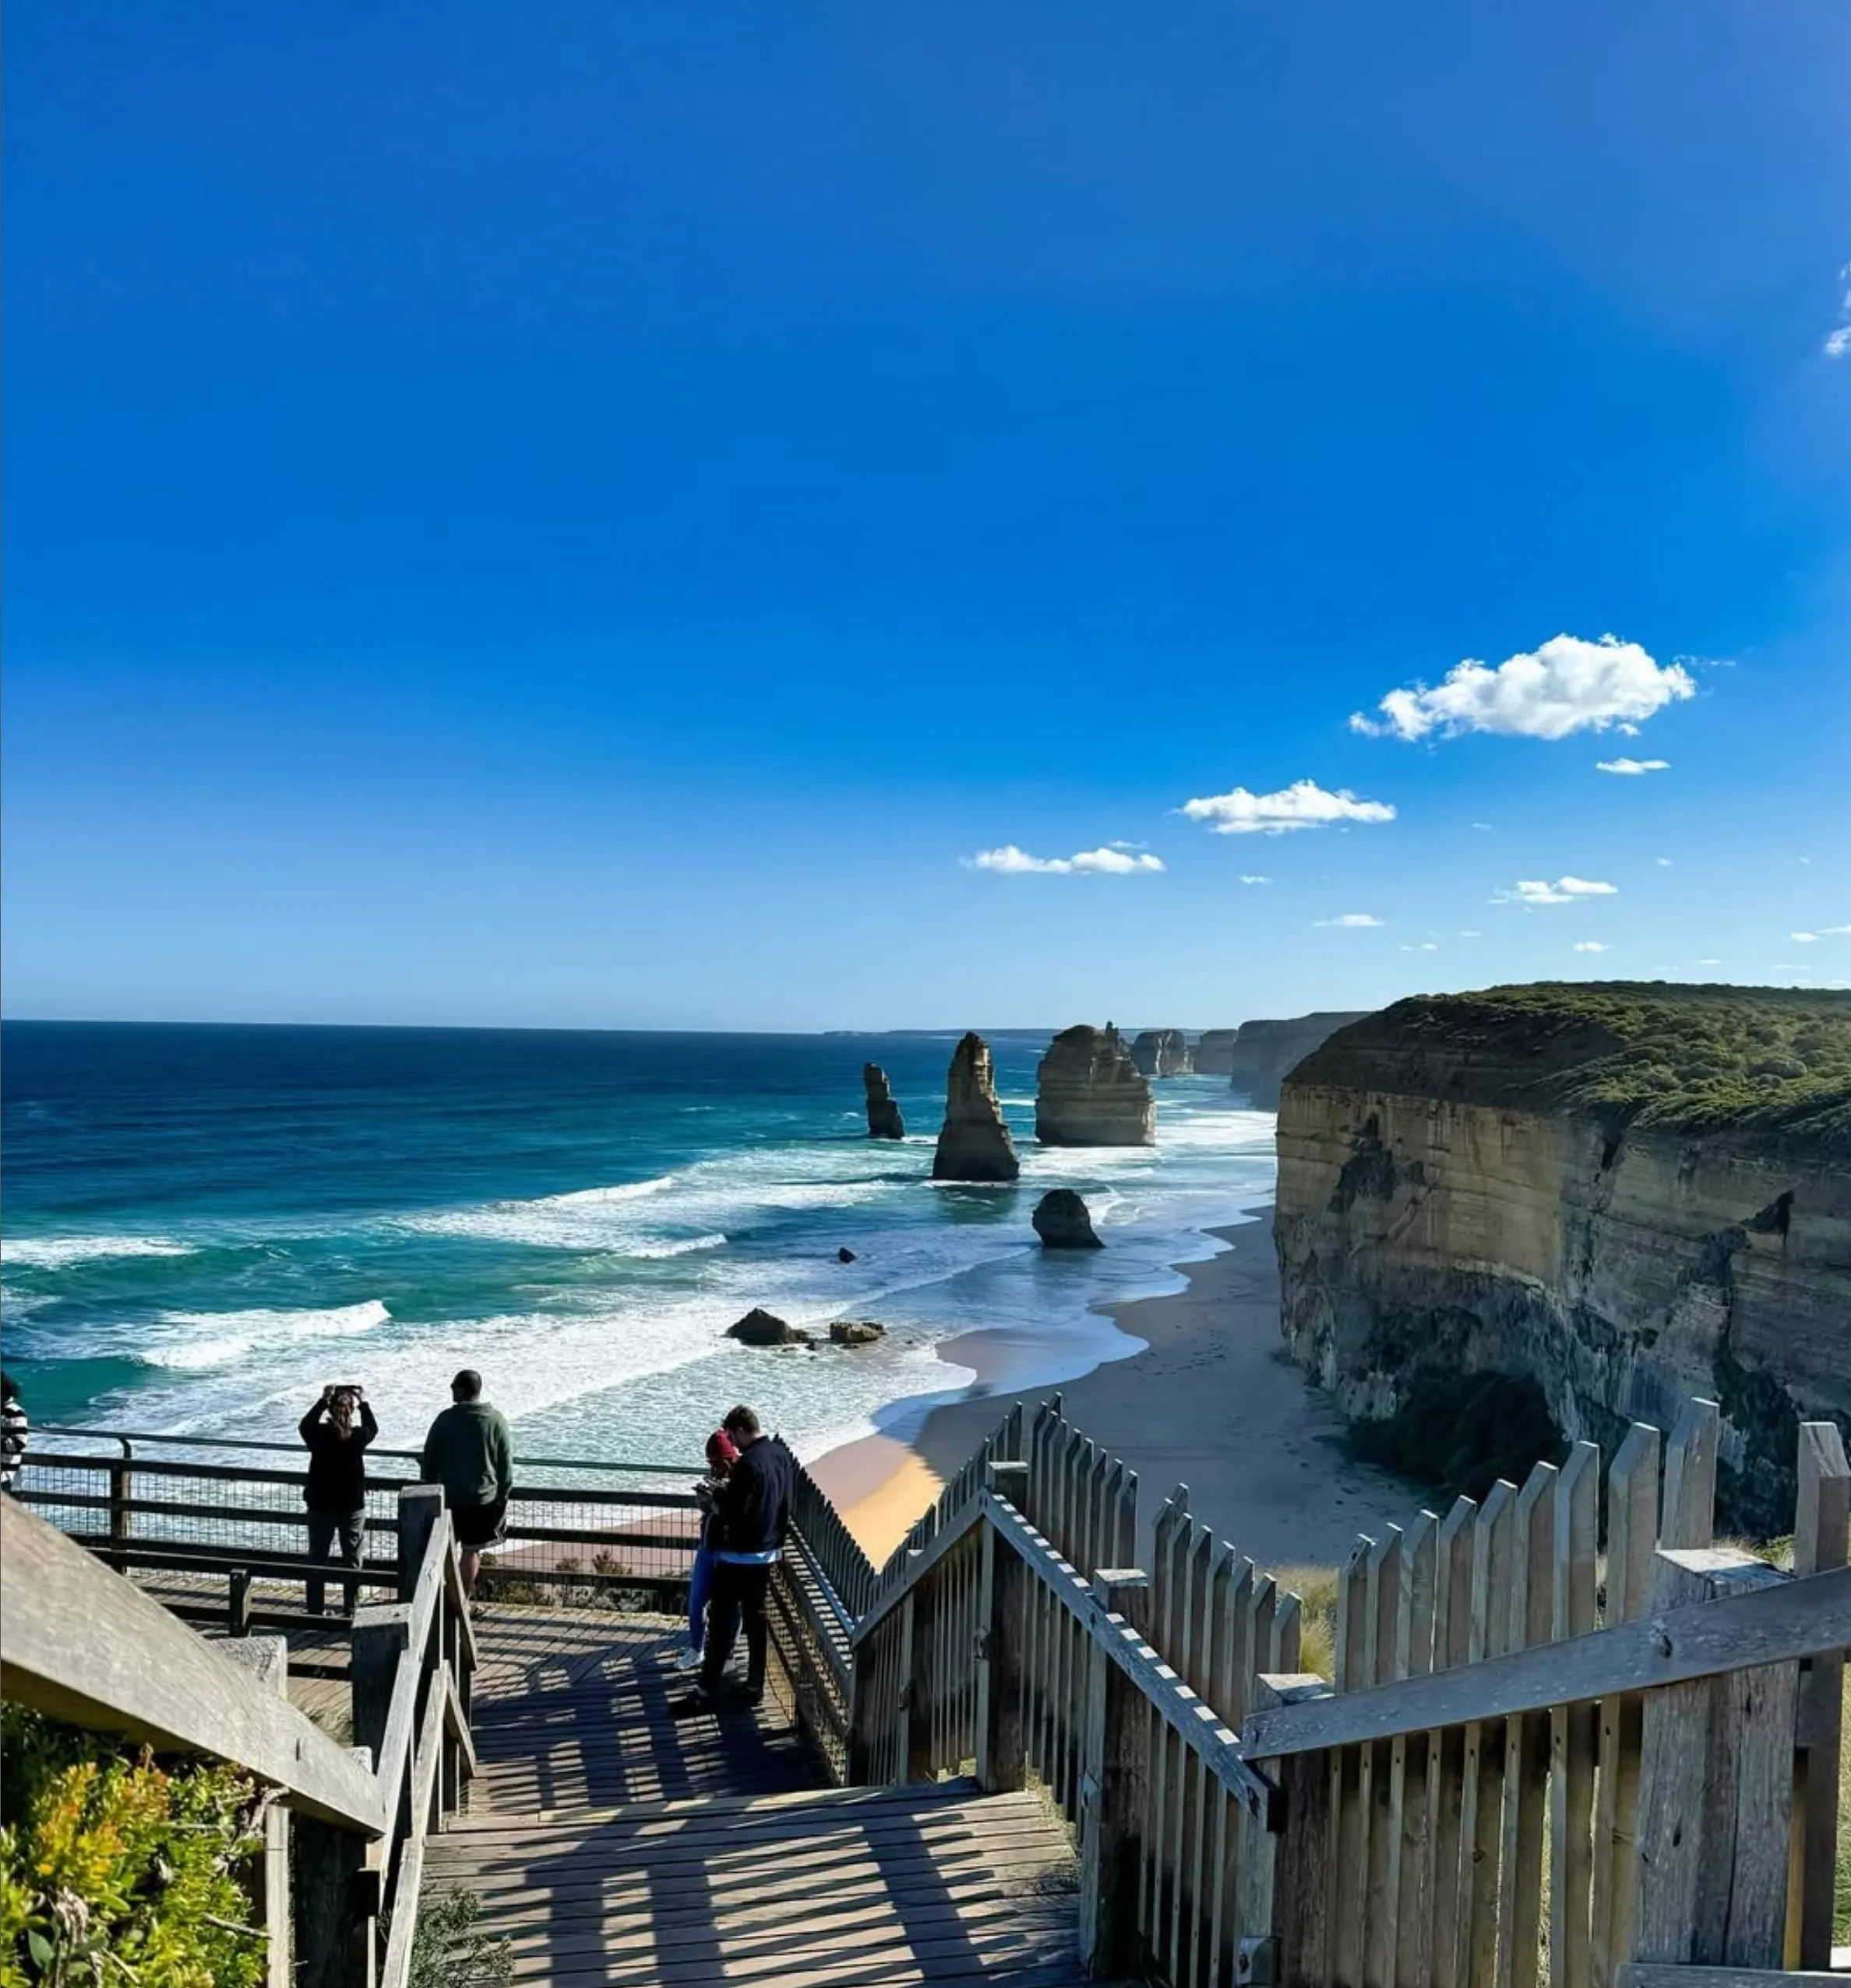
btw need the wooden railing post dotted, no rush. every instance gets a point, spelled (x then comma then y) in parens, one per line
(1001, 1616)
(420, 1506)
(1715, 1789)
(1282, 1909)
(267, 1658)
(1114, 1788)
(337, 1902)
(1822, 1519)
(238, 1601)
(122, 1489)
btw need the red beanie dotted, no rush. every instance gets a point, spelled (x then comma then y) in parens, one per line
(722, 1452)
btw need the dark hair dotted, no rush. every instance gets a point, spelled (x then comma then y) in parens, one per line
(741, 1421)
(468, 1384)
(9, 1388)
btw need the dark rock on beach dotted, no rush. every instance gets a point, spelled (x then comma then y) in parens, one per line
(855, 1332)
(1062, 1222)
(760, 1327)
(844, 1255)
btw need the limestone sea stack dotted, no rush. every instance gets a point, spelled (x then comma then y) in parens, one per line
(1088, 1092)
(884, 1121)
(1162, 1052)
(974, 1143)
(1264, 1051)
(1062, 1222)
(1213, 1052)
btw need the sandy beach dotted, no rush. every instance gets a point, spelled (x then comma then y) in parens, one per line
(1212, 1402)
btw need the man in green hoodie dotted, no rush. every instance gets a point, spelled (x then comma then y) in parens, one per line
(469, 1453)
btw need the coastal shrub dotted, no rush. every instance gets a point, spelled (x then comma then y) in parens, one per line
(1459, 1434)
(114, 1870)
(448, 1952)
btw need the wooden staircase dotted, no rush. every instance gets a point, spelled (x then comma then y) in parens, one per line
(610, 1843)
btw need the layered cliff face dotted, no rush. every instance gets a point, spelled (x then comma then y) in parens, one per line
(884, 1121)
(1264, 1051)
(973, 1143)
(1162, 1052)
(1088, 1092)
(1213, 1052)
(1488, 1184)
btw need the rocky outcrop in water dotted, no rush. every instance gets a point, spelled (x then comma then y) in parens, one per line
(855, 1332)
(1264, 1051)
(1213, 1052)
(974, 1143)
(1497, 1183)
(1062, 1222)
(1088, 1092)
(884, 1121)
(1162, 1052)
(760, 1327)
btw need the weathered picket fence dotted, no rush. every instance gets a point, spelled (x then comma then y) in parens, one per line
(1520, 1771)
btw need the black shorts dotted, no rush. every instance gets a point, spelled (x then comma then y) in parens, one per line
(477, 1525)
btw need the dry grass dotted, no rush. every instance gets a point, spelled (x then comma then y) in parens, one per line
(1316, 1587)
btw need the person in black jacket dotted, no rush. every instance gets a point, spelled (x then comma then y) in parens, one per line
(336, 1492)
(751, 1515)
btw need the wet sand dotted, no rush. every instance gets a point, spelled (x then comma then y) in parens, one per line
(1212, 1402)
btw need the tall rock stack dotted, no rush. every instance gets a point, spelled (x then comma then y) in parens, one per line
(1214, 1054)
(1088, 1092)
(1161, 1052)
(975, 1144)
(884, 1121)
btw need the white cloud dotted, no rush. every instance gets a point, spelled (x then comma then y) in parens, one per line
(1709, 963)
(1302, 805)
(1632, 766)
(1838, 341)
(1350, 921)
(1804, 938)
(1824, 932)
(1471, 935)
(1426, 945)
(1567, 685)
(1564, 890)
(1485, 826)
(1112, 861)
(1591, 945)
(1664, 863)
(1255, 880)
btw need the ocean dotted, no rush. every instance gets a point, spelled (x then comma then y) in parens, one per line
(199, 1225)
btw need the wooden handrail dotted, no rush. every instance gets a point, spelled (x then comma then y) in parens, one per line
(81, 1644)
(924, 1558)
(397, 1969)
(1802, 1618)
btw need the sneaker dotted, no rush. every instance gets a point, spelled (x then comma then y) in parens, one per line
(692, 1706)
(688, 1660)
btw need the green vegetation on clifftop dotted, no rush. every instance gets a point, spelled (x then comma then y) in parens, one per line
(1774, 1062)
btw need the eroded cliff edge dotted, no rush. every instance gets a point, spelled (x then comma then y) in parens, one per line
(1631, 1194)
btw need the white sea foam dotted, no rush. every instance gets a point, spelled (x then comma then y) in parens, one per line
(230, 1337)
(688, 1245)
(58, 1252)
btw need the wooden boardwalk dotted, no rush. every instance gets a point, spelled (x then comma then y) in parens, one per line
(610, 1843)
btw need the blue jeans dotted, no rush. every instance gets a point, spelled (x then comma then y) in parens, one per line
(700, 1585)
(322, 1528)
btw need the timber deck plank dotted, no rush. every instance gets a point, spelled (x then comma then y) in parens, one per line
(612, 1846)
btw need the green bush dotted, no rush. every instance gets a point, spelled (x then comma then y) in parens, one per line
(113, 1870)
(448, 1952)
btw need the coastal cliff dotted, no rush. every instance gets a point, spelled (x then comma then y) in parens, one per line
(1627, 1194)
(1162, 1052)
(1264, 1051)
(1213, 1055)
(1088, 1092)
(973, 1143)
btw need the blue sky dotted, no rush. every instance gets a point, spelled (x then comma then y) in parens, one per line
(601, 517)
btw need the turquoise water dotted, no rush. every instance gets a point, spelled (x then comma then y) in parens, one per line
(200, 1225)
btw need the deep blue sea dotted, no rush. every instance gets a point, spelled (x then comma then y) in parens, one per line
(199, 1225)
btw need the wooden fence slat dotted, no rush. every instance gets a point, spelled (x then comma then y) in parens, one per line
(1689, 1508)
(1446, 1760)
(1573, 1727)
(1820, 1529)
(1479, 1831)
(1527, 1737)
(1715, 1790)
(1349, 1815)
(1382, 1603)
(1632, 1539)
(1410, 1814)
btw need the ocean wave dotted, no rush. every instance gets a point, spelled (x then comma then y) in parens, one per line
(58, 1252)
(688, 1245)
(233, 1336)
